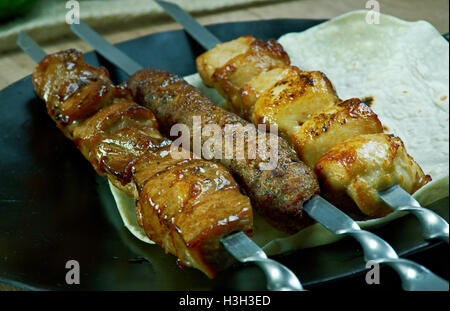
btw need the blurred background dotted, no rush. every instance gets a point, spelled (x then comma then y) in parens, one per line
(120, 20)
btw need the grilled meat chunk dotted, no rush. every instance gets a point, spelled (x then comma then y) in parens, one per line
(256, 78)
(358, 168)
(334, 125)
(184, 205)
(229, 66)
(291, 100)
(279, 193)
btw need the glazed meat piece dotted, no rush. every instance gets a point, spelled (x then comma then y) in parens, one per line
(229, 66)
(278, 193)
(291, 100)
(184, 205)
(220, 55)
(334, 125)
(188, 206)
(58, 77)
(352, 172)
(256, 78)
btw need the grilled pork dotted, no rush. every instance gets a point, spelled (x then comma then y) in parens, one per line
(184, 205)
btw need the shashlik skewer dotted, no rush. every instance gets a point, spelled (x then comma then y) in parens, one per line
(184, 205)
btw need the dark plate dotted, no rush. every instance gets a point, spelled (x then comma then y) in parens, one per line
(53, 207)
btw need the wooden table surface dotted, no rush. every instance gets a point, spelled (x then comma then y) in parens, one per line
(15, 65)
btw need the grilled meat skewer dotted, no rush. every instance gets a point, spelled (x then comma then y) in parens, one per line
(185, 205)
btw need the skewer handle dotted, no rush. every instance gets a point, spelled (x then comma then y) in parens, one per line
(433, 225)
(414, 277)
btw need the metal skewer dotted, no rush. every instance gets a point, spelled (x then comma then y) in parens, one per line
(30, 47)
(414, 277)
(205, 38)
(433, 225)
(238, 244)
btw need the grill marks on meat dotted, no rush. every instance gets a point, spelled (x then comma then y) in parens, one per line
(277, 194)
(185, 205)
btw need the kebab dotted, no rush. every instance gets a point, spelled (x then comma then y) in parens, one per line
(184, 205)
(256, 77)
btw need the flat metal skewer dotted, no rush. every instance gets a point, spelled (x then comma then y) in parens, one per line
(30, 47)
(205, 38)
(433, 225)
(414, 277)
